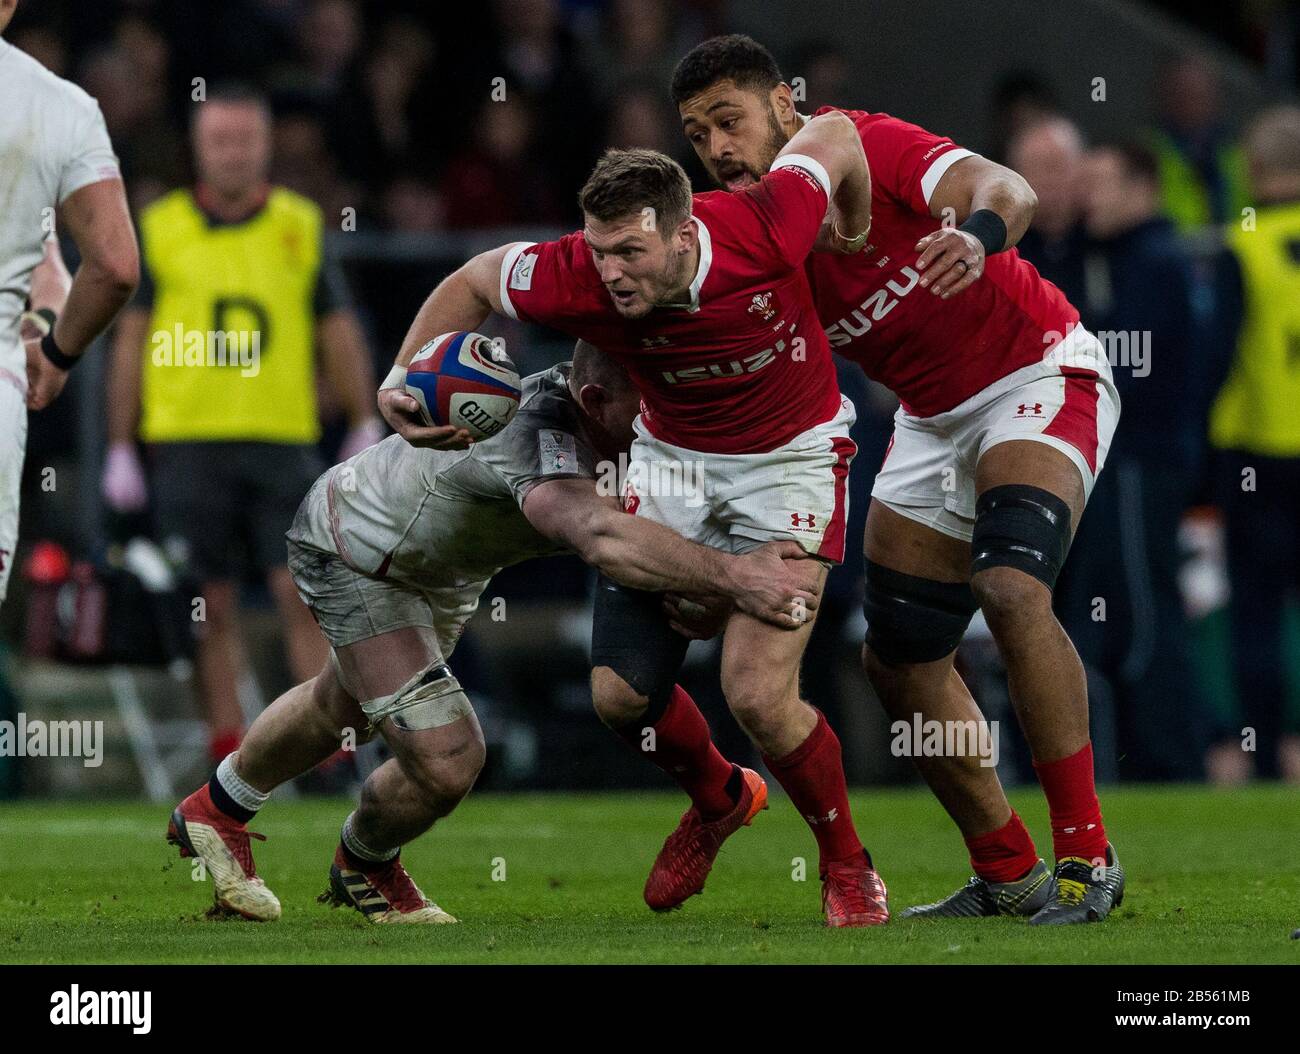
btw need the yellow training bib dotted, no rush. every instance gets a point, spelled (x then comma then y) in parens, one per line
(230, 350)
(1258, 409)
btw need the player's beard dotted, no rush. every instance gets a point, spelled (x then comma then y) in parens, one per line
(776, 140)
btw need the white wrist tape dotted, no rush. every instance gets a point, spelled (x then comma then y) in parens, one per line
(39, 322)
(396, 378)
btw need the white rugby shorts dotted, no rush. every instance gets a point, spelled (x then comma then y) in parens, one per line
(737, 502)
(1067, 401)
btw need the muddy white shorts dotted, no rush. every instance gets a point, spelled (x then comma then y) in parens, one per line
(737, 502)
(1067, 401)
(349, 605)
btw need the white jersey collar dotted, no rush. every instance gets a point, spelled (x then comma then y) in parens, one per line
(706, 261)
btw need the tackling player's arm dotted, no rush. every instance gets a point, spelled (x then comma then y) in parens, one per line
(462, 301)
(992, 205)
(832, 140)
(641, 554)
(97, 218)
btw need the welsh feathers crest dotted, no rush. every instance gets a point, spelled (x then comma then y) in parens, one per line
(762, 306)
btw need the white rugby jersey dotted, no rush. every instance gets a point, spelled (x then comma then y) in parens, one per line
(450, 518)
(53, 142)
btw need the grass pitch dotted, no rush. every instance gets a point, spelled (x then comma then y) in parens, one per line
(1214, 877)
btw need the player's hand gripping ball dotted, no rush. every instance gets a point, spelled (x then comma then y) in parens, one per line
(465, 380)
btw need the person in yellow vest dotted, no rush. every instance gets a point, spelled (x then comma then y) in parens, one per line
(1255, 425)
(1202, 170)
(214, 370)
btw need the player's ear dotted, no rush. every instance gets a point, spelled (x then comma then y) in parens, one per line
(782, 102)
(593, 400)
(687, 235)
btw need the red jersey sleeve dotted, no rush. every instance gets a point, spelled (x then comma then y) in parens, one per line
(906, 161)
(778, 218)
(549, 283)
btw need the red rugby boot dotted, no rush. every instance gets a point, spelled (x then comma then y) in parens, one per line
(687, 856)
(854, 895)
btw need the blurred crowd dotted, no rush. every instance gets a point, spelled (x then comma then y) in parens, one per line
(426, 119)
(393, 109)
(1173, 244)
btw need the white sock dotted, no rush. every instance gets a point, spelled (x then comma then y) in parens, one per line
(360, 850)
(241, 793)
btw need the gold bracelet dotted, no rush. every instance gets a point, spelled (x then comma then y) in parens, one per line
(855, 243)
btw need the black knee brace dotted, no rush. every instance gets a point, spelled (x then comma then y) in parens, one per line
(630, 634)
(911, 619)
(1027, 528)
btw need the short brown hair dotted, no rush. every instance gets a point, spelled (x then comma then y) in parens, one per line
(626, 182)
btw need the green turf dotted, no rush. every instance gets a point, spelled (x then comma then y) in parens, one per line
(1214, 877)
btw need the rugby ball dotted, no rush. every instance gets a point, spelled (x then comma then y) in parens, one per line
(466, 380)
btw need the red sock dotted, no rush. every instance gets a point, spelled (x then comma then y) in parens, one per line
(1072, 802)
(813, 775)
(223, 742)
(1003, 855)
(683, 748)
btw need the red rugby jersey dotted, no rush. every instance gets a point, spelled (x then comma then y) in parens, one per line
(746, 367)
(932, 353)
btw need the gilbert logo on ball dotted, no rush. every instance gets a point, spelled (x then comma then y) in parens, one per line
(466, 380)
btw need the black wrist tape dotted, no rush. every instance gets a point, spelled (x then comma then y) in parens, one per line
(989, 228)
(54, 353)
